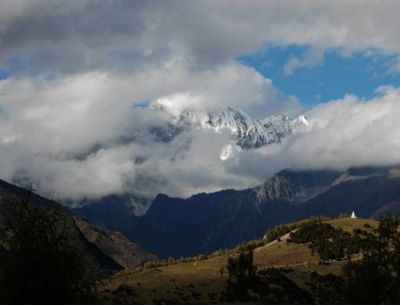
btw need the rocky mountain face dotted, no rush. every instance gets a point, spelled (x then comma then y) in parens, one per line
(114, 244)
(107, 251)
(246, 132)
(206, 222)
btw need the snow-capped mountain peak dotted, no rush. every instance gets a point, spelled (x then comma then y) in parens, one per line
(246, 132)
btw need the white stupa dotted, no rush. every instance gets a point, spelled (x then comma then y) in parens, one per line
(353, 215)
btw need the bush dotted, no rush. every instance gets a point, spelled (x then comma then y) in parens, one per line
(278, 231)
(202, 257)
(327, 241)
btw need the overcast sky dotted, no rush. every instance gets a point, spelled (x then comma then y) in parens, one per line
(72, 71)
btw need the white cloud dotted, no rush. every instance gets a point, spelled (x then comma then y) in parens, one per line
(80, 136)
(352, 132)
(232, 85)
(70, 127)
(310, 59)
(342, 133)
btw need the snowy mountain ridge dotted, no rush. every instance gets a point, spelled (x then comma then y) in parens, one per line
(246, 132)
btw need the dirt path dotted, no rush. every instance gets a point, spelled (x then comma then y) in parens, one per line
(282, 238)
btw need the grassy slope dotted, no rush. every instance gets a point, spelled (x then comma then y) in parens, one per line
(200, 281)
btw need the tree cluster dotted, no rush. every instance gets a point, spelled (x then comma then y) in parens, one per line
(269, 286)
(242, 276)
(329, 242)
(370, 278)
(376, 278)
(41, 263)
(278, 231)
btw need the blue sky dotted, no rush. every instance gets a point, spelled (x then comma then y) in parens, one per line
(3, 74)
(79, 70)
(332, 78)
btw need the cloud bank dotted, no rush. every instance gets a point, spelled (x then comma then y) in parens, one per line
(72, 144)
(77, 69)
(82, 135)
(341, 133)
(74, 35)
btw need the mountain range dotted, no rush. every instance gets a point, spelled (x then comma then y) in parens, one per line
(168, 226)
(207, 222)
(246, 132)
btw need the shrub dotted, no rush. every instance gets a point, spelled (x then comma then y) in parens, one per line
(327, 241)
(278, 231)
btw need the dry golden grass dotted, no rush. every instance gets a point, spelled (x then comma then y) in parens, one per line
(349, 224)
(201, 281)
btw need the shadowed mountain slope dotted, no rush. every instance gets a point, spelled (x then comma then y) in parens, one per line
(107, 251)
(206, 222)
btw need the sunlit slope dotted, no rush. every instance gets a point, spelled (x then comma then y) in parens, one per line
(202, 279)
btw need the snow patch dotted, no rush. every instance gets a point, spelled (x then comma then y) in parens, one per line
(228, 151)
